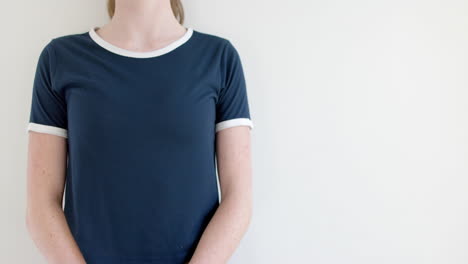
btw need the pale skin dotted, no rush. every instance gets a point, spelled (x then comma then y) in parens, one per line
(139, 26)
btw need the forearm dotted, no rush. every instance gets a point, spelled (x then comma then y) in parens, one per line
(50, 232)
(224, 232)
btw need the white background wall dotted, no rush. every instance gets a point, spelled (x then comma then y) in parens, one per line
(361, 123)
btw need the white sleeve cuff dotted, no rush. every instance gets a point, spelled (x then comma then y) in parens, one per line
(234, 122)
(47, 129)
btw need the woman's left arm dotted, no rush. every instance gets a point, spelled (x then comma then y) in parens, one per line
(228, 225)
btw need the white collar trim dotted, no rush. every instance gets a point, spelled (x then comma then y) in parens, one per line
(137, 54)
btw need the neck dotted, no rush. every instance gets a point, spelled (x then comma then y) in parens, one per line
(148, 19)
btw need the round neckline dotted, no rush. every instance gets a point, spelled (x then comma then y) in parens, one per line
(139, 54)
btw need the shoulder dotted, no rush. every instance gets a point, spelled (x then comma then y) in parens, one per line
(209, 37)
(65, 48)
(69, 39)
(67, 42)
(211, 40)
(62, 51)
(56, 43)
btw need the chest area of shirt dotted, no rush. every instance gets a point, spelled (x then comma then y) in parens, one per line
(167, 102)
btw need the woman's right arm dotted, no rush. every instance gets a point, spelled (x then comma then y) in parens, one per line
(45, 219)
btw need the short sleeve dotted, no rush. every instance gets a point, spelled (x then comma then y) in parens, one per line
(48, 107)
(232, 107)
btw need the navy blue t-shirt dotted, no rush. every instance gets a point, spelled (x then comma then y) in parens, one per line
(141, 128)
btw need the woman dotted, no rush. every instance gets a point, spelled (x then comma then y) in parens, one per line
(130, 117)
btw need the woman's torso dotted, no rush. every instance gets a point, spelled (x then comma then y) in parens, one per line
(141, 178)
